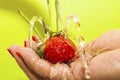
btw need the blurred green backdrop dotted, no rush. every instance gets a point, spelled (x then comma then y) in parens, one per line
(96, 17)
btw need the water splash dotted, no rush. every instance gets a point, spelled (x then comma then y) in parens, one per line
(85, 58)
(87, 71)
(56, 21)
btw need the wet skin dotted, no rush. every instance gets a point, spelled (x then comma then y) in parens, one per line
(104, 66)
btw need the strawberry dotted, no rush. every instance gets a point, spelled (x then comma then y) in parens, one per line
(55, 45)
(59, 49)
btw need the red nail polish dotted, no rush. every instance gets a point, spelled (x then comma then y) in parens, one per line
(25, 43)
(10, 52)
(33, 38)
(19, 55)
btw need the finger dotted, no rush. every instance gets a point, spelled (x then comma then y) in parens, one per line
(108, 41)
(106, 66)
(37, 65)
(12, 51)
(27, 44)
(77, 69)
(36, 39)
(44, 68)
(35, 42)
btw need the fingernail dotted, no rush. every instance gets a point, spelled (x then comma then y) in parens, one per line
(10, 52)
(33, 38)
(25, 43)
(19, 55)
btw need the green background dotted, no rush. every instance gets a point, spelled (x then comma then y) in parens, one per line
(96, 17)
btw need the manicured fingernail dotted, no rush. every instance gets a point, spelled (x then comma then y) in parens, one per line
(33, 38)
(10, 52)
(25, 43)
(19, 55)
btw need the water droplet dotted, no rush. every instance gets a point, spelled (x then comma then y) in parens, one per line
(87, 71)
(81, 42)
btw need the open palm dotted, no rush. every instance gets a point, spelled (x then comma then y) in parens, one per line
(104, 66)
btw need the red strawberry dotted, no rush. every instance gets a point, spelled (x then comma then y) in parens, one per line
(59, 49)
(56, 48)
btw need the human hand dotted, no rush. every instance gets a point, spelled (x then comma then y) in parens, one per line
(37, 68)
(104, 66)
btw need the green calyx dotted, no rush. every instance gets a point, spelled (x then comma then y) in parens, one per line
(40, 50)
